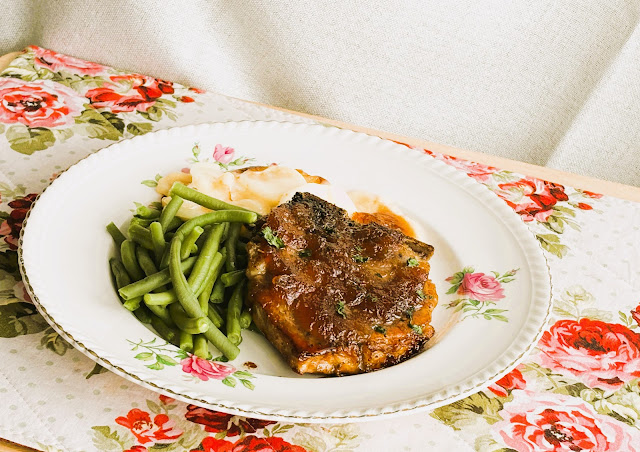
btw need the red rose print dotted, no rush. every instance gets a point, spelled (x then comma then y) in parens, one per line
(41, 103)
(204, 369)
(56, 62)
(584, 206)
(504, 386)
(215, 421)
(223, 154)
(137, 449)
(197, 90)
(480, 287)
(129, 92)
(601, 355)
(186, 99)
(636, 314)
(250, 444)
(10, 228)
(591, 194)
(161, 431)
(166, 400)
(552, 422)
(532, 199)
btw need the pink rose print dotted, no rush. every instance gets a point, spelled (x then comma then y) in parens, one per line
(166, 400)
(57, 62)
(41, 103)
(478, 171)
(601, 355)
(223, 154)
(481, 287)
(161, 431)
(552, 422)
(204, 369)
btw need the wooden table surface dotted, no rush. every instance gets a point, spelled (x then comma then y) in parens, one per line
(549, 174)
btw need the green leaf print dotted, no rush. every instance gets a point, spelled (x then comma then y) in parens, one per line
(27, 140)
(115, 120)
(20, 318)
(551, 243)
(106, 440)
(9, 263)
(54, 342)
(93, 124)
(139, 128)
(464, 412)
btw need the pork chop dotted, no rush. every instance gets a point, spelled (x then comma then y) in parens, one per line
(337, 296)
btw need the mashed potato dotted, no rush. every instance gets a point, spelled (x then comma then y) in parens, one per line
(262, 188)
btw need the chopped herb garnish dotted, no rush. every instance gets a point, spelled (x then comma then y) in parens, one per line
(305, 253)
(421, 294)
(412, 262)
(416, 328)
(379, 275)
(360, 259)
(372, 298)
(340, 310)
(380, 329)
(409, 312)
(329, 230)
(358, 248)
(271, 238)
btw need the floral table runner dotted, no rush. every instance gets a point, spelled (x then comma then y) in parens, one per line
(579, 390)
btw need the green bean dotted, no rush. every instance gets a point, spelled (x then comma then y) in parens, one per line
(241, 247)
(143, 314)
(179, 189)
(190, 242)
(232, 216)
(217, 294)
(132, 304)
(145, 261)
(215, 317)
(157, 240)
(186, 323)
(234, 332)
(122, 279)
(144, 222)
(161, 298)
(208, 254)
(128, 255)
(242, 261)
(147, 212)
(119, 273)
(200, 346)
(230, 246)
(245, 319)
(175, 223)
(169, 212)
(146, 285)
(116, 234)
(221, 342)
(141, 235)
(207, 285)
(187, 298)
(162, 312)
(232, 278)
(165, 331)
(186, 341)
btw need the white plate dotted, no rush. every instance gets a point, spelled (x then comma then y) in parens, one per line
(65, 248)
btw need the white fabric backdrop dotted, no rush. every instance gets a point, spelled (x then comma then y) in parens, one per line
(552, 82)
